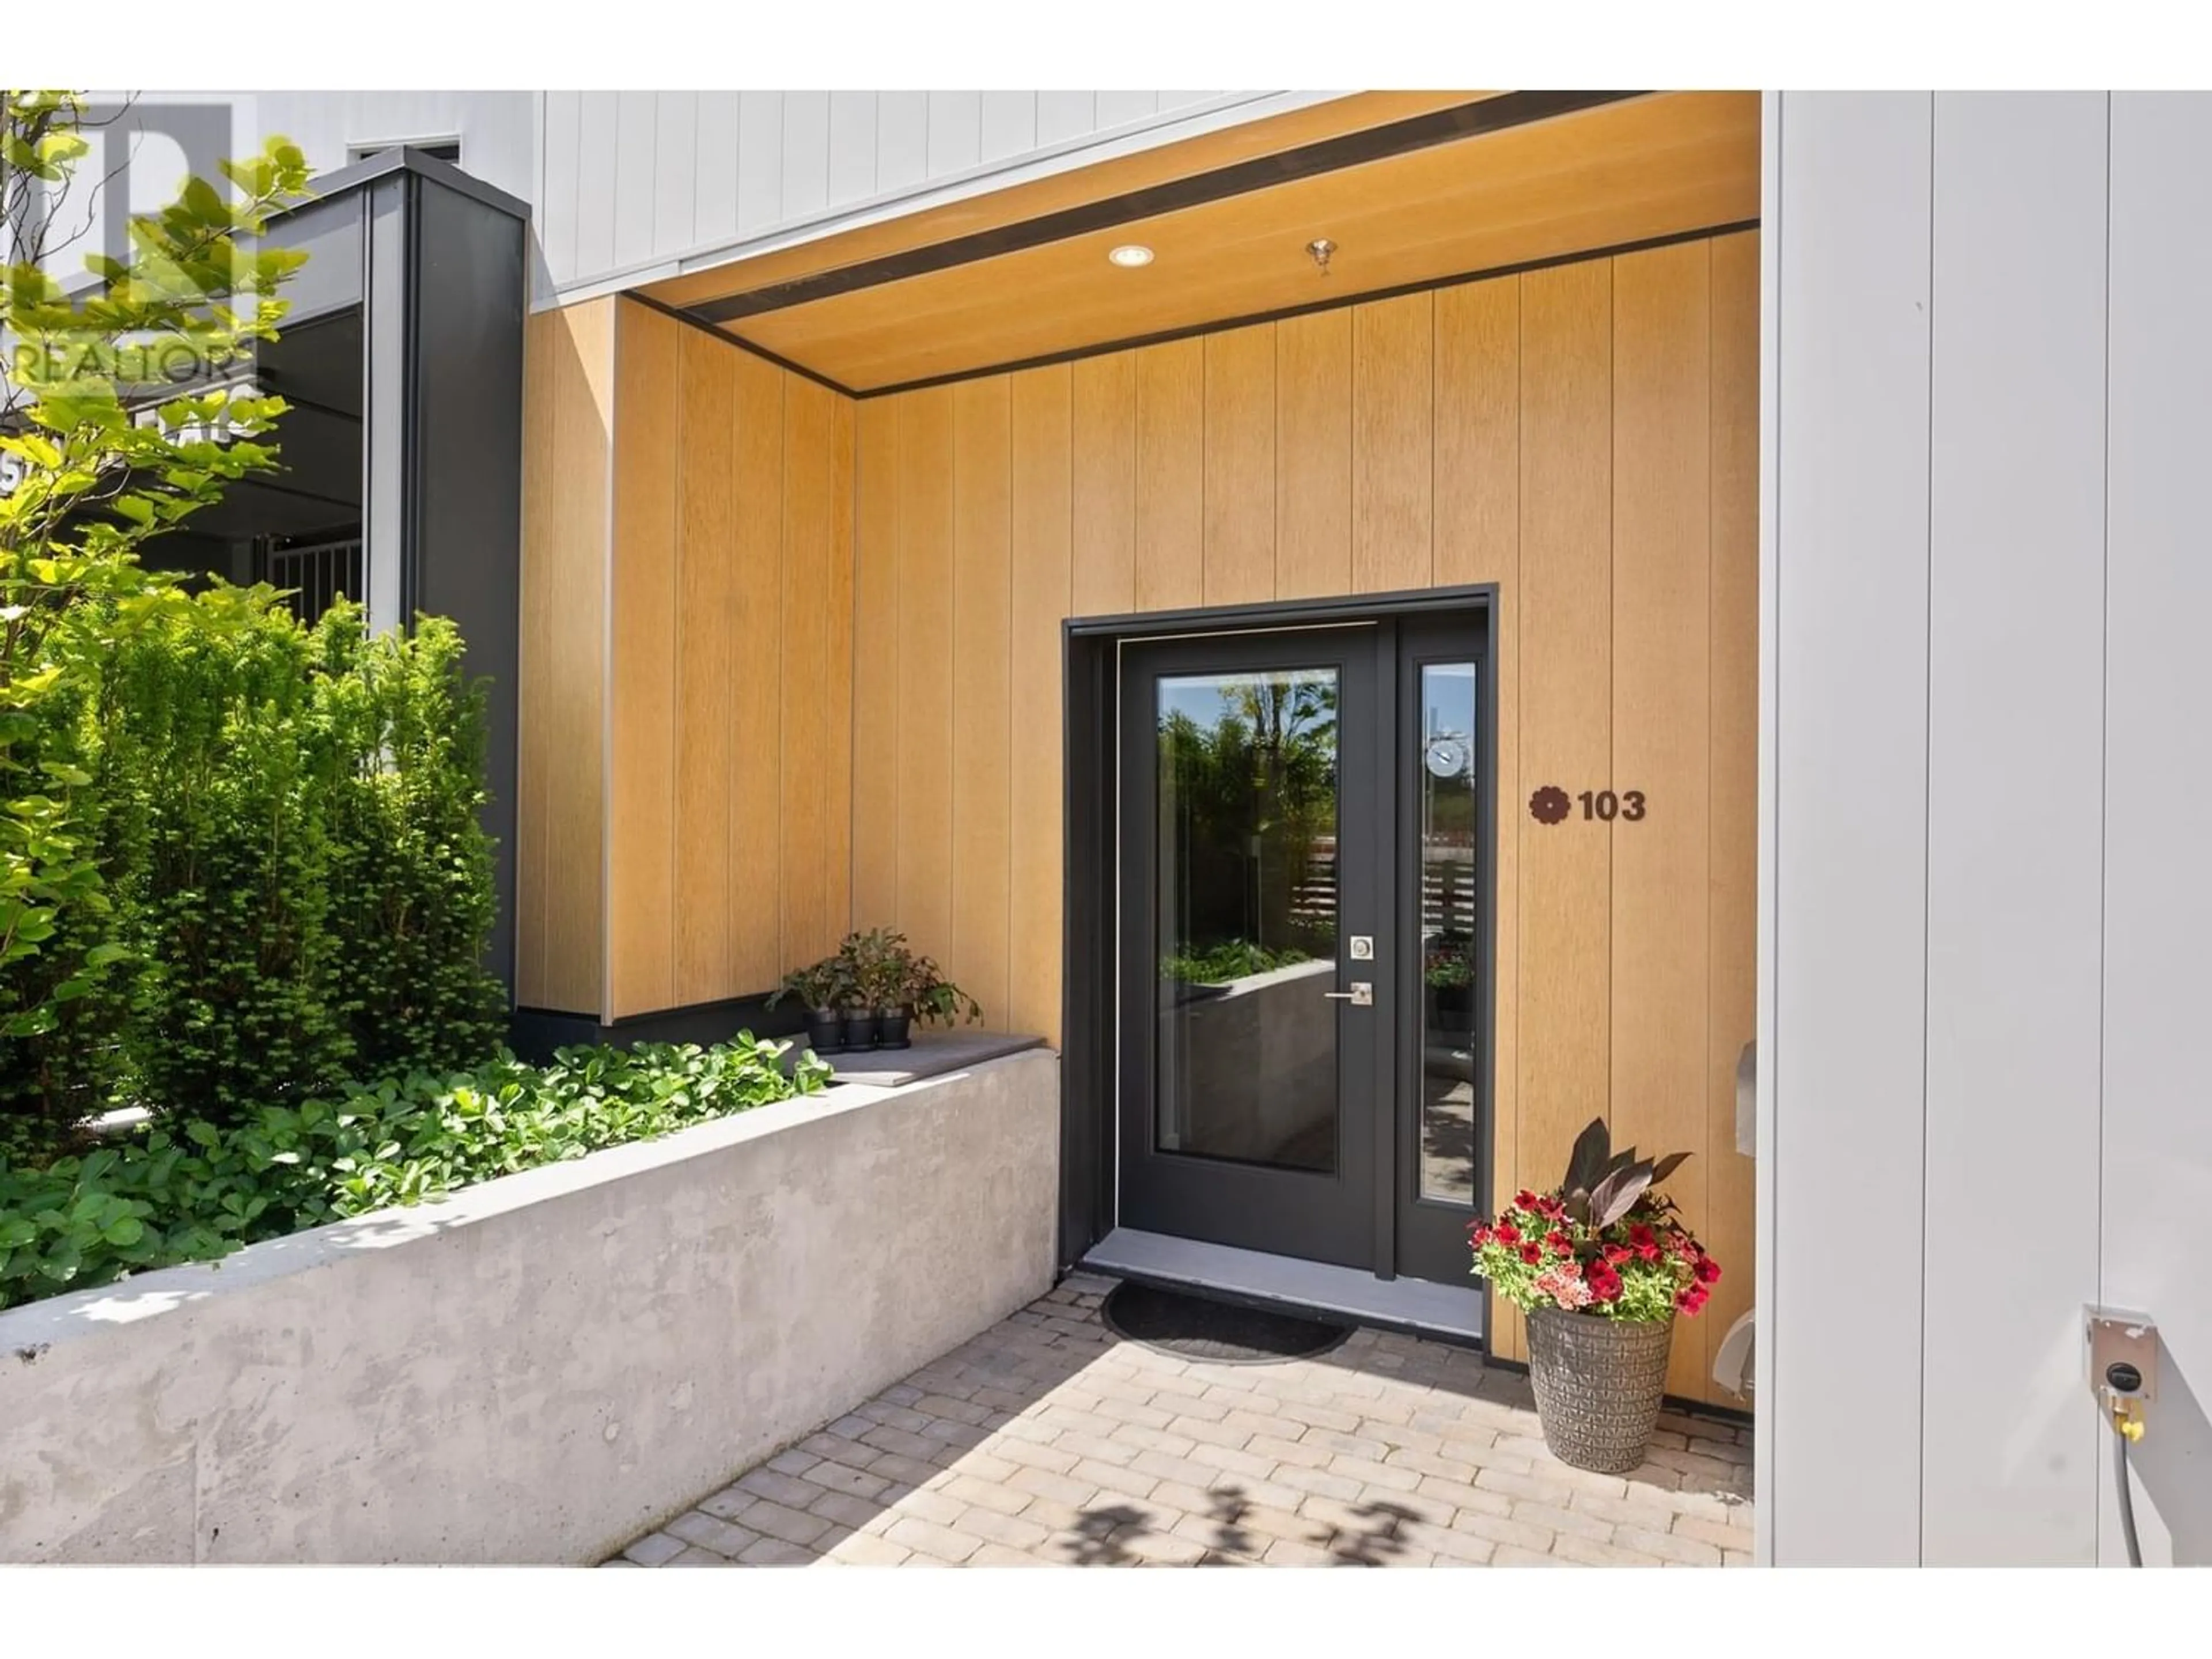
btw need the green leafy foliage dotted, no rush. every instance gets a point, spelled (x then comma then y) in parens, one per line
(1236, 958)
(194, 1191)
(877, 969)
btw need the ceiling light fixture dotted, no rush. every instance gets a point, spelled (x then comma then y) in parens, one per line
(1130, 255)
(1319, 249)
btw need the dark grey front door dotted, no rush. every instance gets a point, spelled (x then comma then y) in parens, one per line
(1302, 990)
(1253, 912)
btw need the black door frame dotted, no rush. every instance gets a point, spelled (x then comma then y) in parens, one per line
(1088, 1105)
(1262, 1206)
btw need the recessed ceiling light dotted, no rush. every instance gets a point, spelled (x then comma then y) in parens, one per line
(1130, 255)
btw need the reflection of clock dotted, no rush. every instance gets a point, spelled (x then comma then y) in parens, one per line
(1446, 756)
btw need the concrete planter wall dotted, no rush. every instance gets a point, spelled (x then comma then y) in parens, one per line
(545, 1365)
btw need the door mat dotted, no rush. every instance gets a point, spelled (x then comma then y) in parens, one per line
(1226, 1333)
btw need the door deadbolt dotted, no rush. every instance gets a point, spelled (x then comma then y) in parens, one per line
(1362, 947)
(1360, 995)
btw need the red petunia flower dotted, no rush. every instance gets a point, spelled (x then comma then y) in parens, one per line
(1640, 1235)
(1617, 1253)
(1551, 1208)
(1524, 1199)
(1559, 1242)
(1690, 1300)
(1506, 1233)
(1604, 1283)
(1531, 1255)
(1708, 1271)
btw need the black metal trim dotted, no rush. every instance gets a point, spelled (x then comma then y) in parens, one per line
(692, 321)
(1468, 120)
(369, 169)
(1370, 296)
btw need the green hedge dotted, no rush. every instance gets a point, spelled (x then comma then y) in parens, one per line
(196, 1191)
(286, 882)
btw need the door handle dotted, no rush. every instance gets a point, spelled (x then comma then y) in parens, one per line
(1361, 995)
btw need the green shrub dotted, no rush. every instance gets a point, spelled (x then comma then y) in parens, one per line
(1236, 958)
(196, 1191)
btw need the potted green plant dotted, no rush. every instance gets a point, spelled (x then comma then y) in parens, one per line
(1601, 1265)
(822, 988)
(898, 988)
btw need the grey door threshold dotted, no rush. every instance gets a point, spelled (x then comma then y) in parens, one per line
(1450, 1311)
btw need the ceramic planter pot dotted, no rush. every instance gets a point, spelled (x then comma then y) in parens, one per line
(892, 1026)
(825, 1030)
(1598, 1383)
(860, 1027)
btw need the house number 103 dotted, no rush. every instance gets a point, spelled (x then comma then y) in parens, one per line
(1605, 806)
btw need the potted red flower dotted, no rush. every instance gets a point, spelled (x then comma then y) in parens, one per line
(1601, 1265)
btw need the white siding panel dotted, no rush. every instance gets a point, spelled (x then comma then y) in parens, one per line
(714, 185)
(595, 185)
(2015, 842)
(556, 207)
(955, 132)
(1010, 123)
(902, 140)
(675, 172)
(805, 152)
(1842, 1335)
(634, 177)
(760, 161)
(852, 147)
(2158, 801)
(1065, 115)
(1117, 109)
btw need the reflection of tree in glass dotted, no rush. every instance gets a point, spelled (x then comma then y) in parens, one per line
(1252, 800)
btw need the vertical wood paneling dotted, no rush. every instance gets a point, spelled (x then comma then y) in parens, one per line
(1104, 393)
(568, 404)
(808, 930)
(805, 152)
(705, 641)
(760, 161)
(1566, 698)
(1170, 474)
(754, 819)
(876, 629)
(1478, 431)
(1040, 598)
(852, 147)
(837, 690)
(1240, 465)
(1478, 539)
(2016, 683)
(982, 692)
(641, 888)
(1312, 480)
(925, 707)
(1661, 719)
(1392, 362)
(675, 159)
(1732, 898)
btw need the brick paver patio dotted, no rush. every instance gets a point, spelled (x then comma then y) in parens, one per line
(1047, 1440)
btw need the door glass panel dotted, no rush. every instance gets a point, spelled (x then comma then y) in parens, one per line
(1446, 830)
(1247, 918)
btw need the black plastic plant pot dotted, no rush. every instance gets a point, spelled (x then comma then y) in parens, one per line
(860, 1029)
(892, 1028)
(825, 1030)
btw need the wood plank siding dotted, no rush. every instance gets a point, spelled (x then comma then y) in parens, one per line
(831, 680)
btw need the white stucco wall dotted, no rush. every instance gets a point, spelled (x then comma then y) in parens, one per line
(544, 1366)
(1985, 896)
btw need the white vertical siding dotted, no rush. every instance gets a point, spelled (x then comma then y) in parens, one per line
(1847, 807)
(2157, 1177)
(760, 161)
(556, 195)
(2015, 846)
(1925, 1397)
(675, 174)
(595, 185)
(714, 167)
(852, 147)
(1009, 122)
(902, 140)
(636, 153)
(1065, 115)
(806, 154)
(955, 132)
